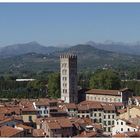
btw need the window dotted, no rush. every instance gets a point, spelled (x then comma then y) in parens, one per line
(109, 122)
(104, 122)
(113, 116)
(109, 129)
(117, 123)
(108, 116)
(121, 129)
(100, 120)
(99, 114)
(30, 118)
(134, 130)
(104, 116)
(105, 129)
(94, 114)
(95, 121)
(128, 129)
(121, 123)
(112, 122)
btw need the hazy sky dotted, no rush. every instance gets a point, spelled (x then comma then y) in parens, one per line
(54, 24)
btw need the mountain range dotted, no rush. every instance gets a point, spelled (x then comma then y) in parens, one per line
(35, 57)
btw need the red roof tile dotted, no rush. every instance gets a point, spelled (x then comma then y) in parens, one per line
(104, 92)
(7, 131)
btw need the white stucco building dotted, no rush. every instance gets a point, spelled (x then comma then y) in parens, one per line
(122, 126)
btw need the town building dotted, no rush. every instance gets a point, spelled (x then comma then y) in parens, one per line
(130, 112)
(57, 127)
(123, 125)
(45, 107)
(100, 112)
(101, 95)
(68, 71)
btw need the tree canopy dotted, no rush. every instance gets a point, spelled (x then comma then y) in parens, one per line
(54, 85)
(105, 79)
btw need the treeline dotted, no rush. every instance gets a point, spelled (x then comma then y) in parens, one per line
(48, 84)
(10, 88)
(111, 79)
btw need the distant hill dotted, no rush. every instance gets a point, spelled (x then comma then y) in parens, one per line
(19, 49)
(89, 58)
(119, 47)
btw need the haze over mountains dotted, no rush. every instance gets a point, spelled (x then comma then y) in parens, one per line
(35, 57)
(18, 49)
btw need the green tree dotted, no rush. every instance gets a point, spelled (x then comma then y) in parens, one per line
(54, 85)
(105, 79)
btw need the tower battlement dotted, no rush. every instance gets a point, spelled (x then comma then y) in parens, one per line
(68, 55)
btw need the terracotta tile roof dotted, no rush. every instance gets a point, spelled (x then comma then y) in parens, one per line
(117, 104)
(87, 134)
(121, 111)
(104, 92)
(64, 122)
(45, 101)
(120, 135)
(39, 121)
(133, 134)
(86, 105)
(83, 107)
(23, 126)
(77, 122)
(38, 133)
(108, 106)
(42, 102)
(29, 108)
(6, 120)
(9, 119)
(97, 125)
(131, 123)
(7, 131)
(2, 117)
(58, 123)
(53, 125)
(70, 105)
